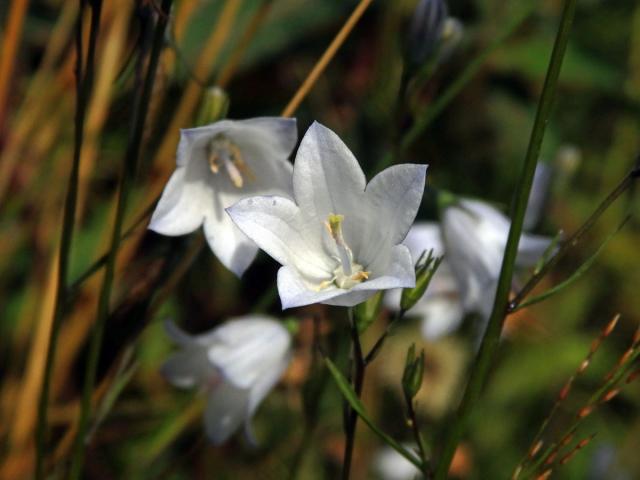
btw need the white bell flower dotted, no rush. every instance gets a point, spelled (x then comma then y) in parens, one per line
(236, 364)
(217, 165)
(475, 236)
(339, 240)
(472, 237)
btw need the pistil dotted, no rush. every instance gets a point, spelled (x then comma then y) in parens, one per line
(223, 152)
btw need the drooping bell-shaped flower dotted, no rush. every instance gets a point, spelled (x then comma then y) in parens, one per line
(440, 308)
(236, 365)
(388, 464)
(339, 240)
(475, 236)
(217, 165)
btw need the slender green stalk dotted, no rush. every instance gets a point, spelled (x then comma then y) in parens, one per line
(351, 419)
(84, 83)
(572, 241)
(491, 339)
(126, 185)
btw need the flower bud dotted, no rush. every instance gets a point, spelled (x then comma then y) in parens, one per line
(425, 270)
(214, 106)
(425, 31)
(413, 372)
(366, 312)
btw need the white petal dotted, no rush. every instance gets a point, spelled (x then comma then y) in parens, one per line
(295, 292)
(424, 236)
(249, 348)
(232, 247)
(263, 386)
(399, 273)
(177, 335)
(393, 196)
(390, 465)
(191, 139)
(440, 315)
(274, 224)
(280, 134)
(226, 411)
(539, 194)
(182, 206)
(187, 368)
(531, 248)
(326, 176)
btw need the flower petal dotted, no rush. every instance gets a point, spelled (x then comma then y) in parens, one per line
(394, 196)
(260, 390)
(275, 135)
(399, 273)
(326, 176)
(440, 314)
(424, 236)
(232, 247)
(531, 248)
(226, 411)
(248, 349)
(187, 368)
(273, 223)
(182, 206)
(295, 292)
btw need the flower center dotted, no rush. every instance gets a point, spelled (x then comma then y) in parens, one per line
(348, 273)
(222, 152)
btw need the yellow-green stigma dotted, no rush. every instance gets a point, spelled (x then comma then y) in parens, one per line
(222, 152)
(348, 273)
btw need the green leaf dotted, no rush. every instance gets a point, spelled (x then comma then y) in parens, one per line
(358, 407)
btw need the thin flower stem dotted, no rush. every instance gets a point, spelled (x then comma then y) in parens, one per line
(417, 436)
(326, 58)
(351, 418)
(84, 83)
(373, 353)
(491, 339)
(126, 186)
(572, 241)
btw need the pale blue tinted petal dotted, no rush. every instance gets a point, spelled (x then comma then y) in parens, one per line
(326, 176)
(232, 247)
(275, 225)
(182, 206)
(226, 411)
(394, 196)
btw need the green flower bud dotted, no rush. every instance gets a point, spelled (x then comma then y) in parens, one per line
(214, 106)
(413, 373)
(425, 270)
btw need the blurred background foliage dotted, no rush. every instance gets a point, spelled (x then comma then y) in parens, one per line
(260, 51)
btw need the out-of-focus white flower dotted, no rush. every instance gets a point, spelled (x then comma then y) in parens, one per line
(440, 308)
(472, 237)
(339, 242)
(236, 364)
(539, 195)
(217, 165)
(475, 237)
(390, 465)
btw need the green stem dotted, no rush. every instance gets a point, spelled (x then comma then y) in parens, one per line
(572, 241)
(126, 186)
(351, 419)
(491, 339)
(84, 84)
